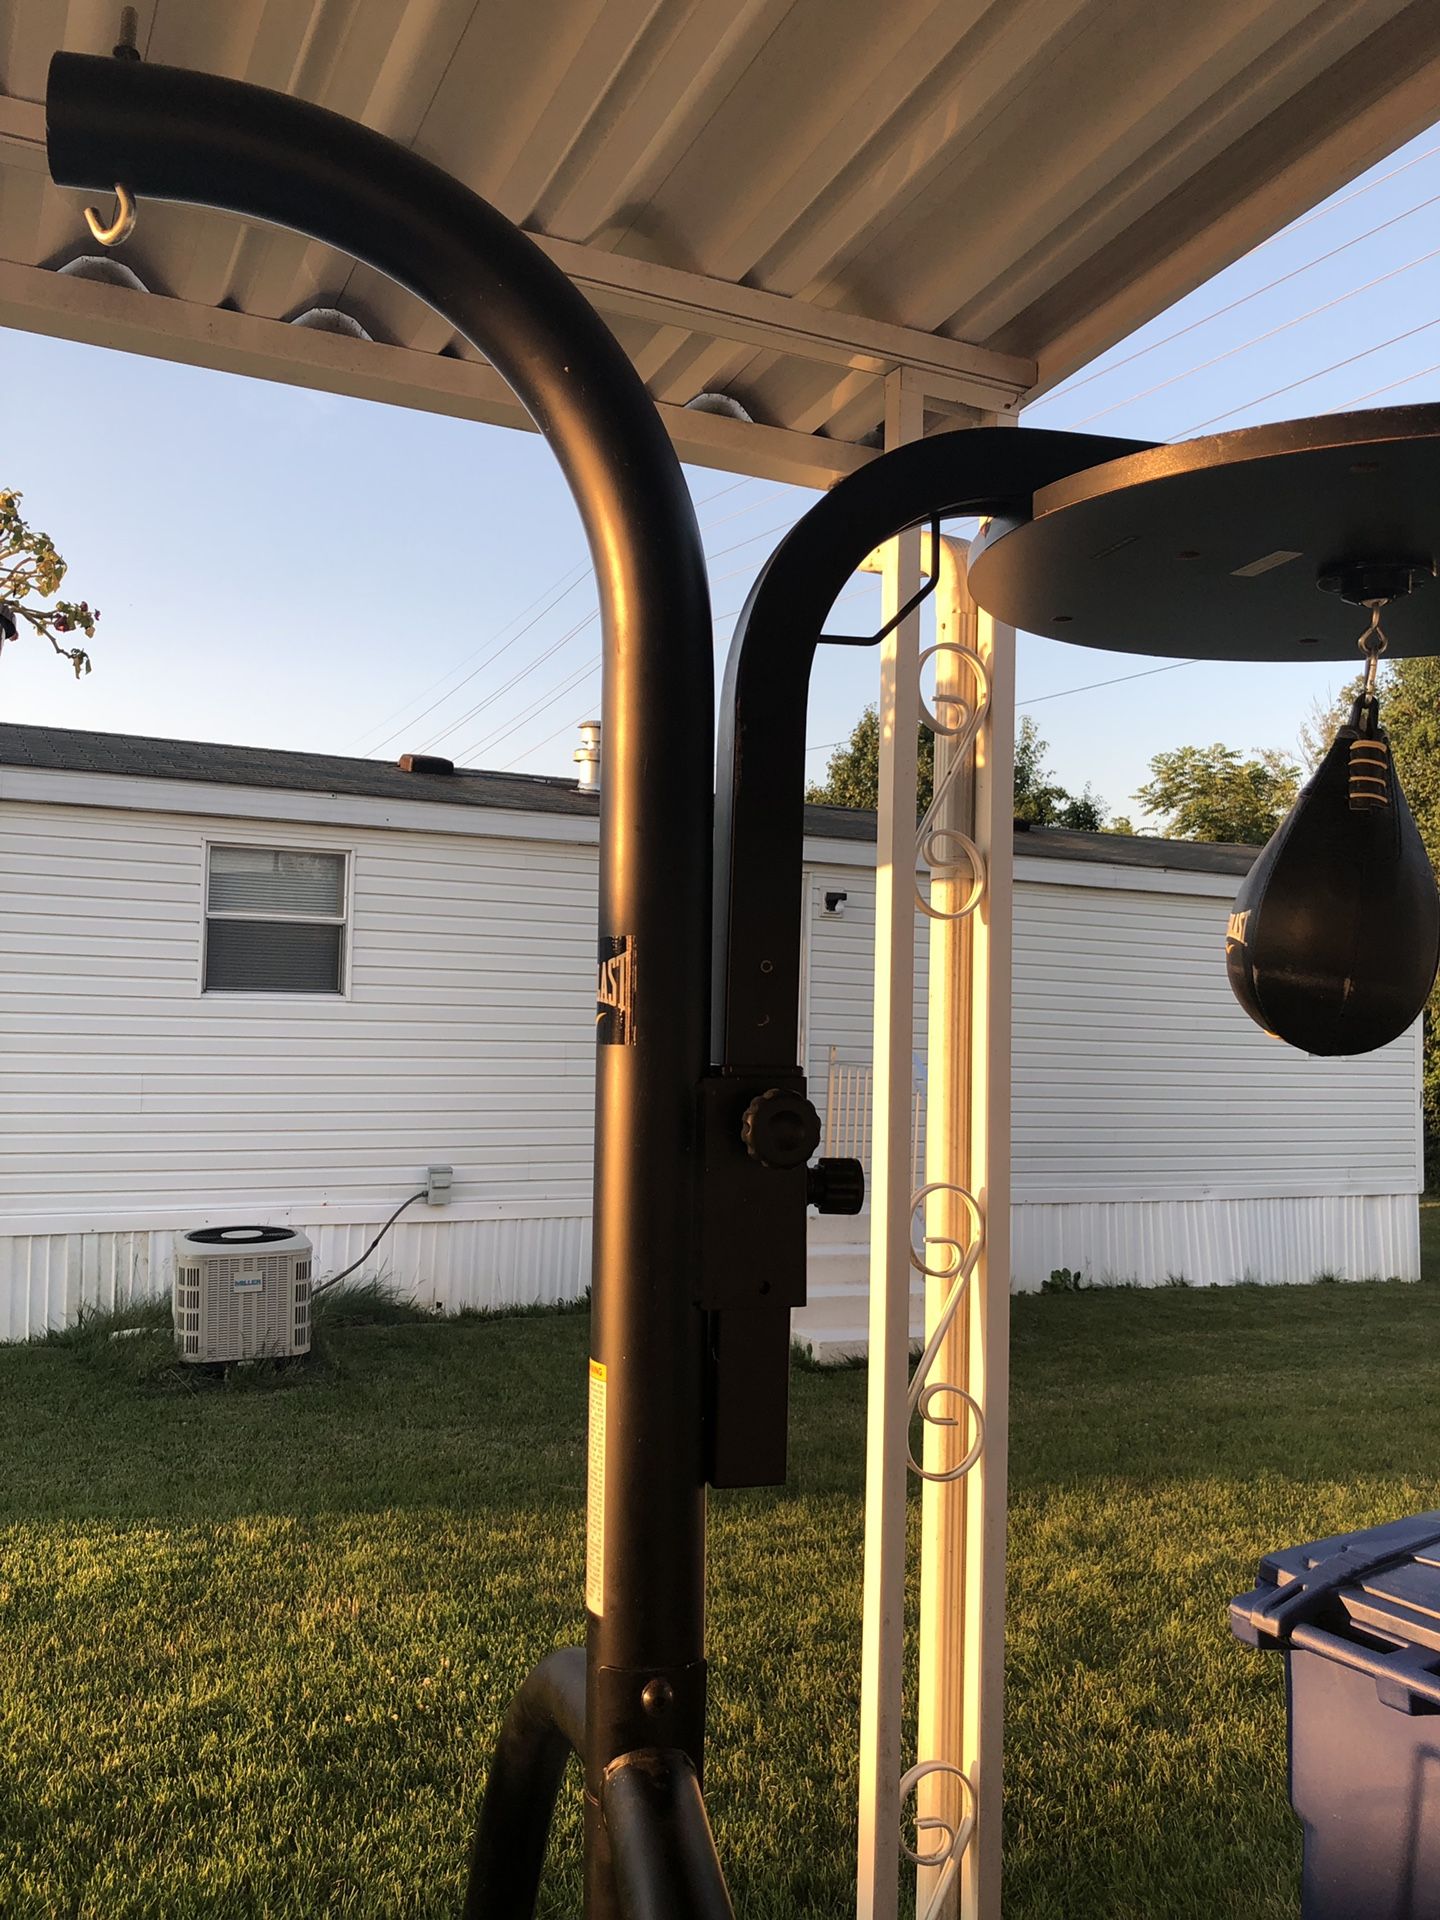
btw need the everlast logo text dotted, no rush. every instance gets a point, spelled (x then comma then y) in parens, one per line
(615, 992)
(1236, 929)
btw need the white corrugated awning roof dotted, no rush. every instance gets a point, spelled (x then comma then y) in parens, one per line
(782, 200)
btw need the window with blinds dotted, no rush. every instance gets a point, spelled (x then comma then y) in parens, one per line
(274, 921)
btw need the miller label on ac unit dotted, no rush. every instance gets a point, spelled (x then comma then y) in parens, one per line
(615, 991)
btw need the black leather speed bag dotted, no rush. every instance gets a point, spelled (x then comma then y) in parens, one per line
(1335, 934)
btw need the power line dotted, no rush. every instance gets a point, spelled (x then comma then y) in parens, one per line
(522, 674)
(752, 506)
(558, 691)
(488, 661)
(1389, 387)
(560, 588)
(1064, 392)
(540, 659)
(511, 726)
(784, 527)
(839, 601)
(1203, 366)
(823, 746)
(1305, 379)
(526, 752)
(1091, 685)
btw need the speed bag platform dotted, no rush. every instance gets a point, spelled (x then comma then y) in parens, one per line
(1333, 942)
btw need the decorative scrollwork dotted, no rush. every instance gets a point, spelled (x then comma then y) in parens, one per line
(962, 1255)
(931, 843)
(968, 715)
(938, 844)
(953, 1840)
(924, 1392)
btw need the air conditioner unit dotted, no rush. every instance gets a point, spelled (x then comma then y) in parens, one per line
(241, 1293)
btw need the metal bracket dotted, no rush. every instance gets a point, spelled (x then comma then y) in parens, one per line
(750, 1273)
(932, 580)
(752, 1217)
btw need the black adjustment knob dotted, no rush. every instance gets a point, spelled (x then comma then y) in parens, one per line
(835, 1186)
(780, 1129)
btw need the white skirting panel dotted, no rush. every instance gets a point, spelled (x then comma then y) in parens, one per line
(1219, 1242)
(446, 1264)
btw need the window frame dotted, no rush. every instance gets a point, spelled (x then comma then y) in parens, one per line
(344, 920)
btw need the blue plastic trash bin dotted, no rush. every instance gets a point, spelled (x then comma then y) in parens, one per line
(1358, 1620)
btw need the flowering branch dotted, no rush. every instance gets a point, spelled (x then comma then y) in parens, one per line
(30, 567)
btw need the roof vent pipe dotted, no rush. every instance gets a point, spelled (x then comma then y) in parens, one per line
(587, 757)
(722, 403)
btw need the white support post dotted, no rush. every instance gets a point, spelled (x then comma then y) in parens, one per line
(882, 1640)
(962, 1590)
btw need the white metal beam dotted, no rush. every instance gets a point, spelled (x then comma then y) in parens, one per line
(22, 134)
(886, 1467)
(69, 308)
(967, 1146)
(621, 286)
(949, 369)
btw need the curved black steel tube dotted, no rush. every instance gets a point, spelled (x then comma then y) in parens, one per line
(666, 1867)
(172, 135)
(543, 1726)
(759, 849)
(759, 823)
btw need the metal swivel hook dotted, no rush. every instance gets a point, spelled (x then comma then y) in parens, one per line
(1372, 644)
(121, 227)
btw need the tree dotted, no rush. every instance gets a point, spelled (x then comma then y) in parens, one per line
(1212, 793)
(30, 568)
(852, 779)
(1410, 714)
(1040, 801)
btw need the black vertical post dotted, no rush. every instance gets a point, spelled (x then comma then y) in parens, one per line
(172, 135)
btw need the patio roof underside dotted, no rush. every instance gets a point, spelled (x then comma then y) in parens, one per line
(783, 201)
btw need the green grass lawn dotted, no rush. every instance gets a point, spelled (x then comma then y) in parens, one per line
(1430, 1239)
(255, 1643)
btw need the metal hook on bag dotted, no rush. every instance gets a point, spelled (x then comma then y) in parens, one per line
(121, 227)
(1372, 644)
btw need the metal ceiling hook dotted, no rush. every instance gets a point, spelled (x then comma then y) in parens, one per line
(121, 227)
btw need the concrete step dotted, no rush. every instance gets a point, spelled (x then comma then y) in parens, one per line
(843, 1229)
(834, 1322)
(841, 1269)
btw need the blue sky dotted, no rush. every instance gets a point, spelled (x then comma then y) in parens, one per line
(289, 569)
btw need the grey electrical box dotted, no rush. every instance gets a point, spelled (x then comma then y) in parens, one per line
(437, 1186)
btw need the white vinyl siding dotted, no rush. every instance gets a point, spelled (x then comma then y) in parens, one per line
(468, 1037)
(1136, 1074)
(1155, 1128)
(840, 986)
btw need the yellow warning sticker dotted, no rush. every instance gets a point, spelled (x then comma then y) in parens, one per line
(595, 1500)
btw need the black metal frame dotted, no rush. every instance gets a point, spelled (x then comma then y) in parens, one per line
(759, 837)
(172, 135)
(699, 1210)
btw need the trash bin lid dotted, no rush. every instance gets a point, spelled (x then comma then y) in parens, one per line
(1369, 1600)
